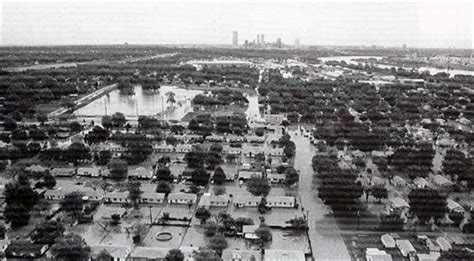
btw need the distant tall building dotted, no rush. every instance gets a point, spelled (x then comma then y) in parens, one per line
(258, 39)
(262, 39)
(404, 46)
(297, 43)
(278, 43)
(235, 38)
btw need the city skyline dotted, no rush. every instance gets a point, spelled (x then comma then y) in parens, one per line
(416, 24)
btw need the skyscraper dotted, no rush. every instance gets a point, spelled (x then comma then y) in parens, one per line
(262, 39)
(297, 43)
(258, 39)
(235, 38)
(278, 43)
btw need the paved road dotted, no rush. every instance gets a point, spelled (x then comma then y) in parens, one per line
(325, 236)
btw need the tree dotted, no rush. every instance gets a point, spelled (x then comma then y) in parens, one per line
(379, 192)
(107, 122)
(76, 152)
(49, 180)
(3, 231)
(468, 227)
(218, 243)
(216, 147)
(219, 190)
(164, 173)
(258, 186)
(9, 124)
(211, 228)
(200, 177)
(264, 234)
(202, 214)
(75, 126)
(205, 254)
(134, 192)
(391, 222)
(73, 203)
(298, 224)
(103, 157)
(71, 247)
(163, 187)
(104, 255)
(219, 176)
(17, 214)
(455, 163)
(427, 203)
(291, 176)
(118, 120)
(338, 188)
(115, 219)
(118, 168)
(174, 255)
(47, 231)
(20, 192)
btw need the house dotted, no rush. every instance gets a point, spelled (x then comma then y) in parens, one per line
(36, 169)
(275, 152)
(443, 244)
(207, 200)
(399, 205)
(441, 181)
(421, 183)
(276, 178)
(118, 253)
(281, 201)
(398, 181)
(182, 198)
(428, 243)
(255, 139)
(387, 241)
(248, 231)
(89, 194)
(215, 138)
(183, 148)
(284, 255)
(247, 174)
(62, 172)
(116, 197)
(275, 119)
(235, 139)
(163, 148)
(3, 246)
(24, 249)
(246, 201)
(152, 197)
(88, 171)
(226, 149)
(406, 248)
(241, 255)
(453, 206)
(159, 254)
(375, 254)
(432, 256)
(230, 171)
(251, 151)
(141, 173)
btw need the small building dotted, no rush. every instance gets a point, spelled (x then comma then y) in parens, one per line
(141, 173)
(275, 119)
(247, 174)
(251, 151)
(375, 254)
(248, 231)
(432, 256)
(88, 171)
(36, 169)
(421, 183)
(399, 181)
(284, 255)
(215, 138)
(255, 139)
(163, 148)
(116, 197)
(58, 194)
(183, 148)
(63, 172)
(275, 152)
(207, 200)
(443, 244)
(276, 178)
(152, 197)
(406, 248)
(453, 206)
(24, 249)
(226, 149)
(241, 255)
(235, 138)
(181, 198)
(246, 201)
(398, 203)
(281, 201)
(118, 253)
(159, 254)
(387, 241)
(441, 181)
(230, 171)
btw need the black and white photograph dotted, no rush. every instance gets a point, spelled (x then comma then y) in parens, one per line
(237, 130)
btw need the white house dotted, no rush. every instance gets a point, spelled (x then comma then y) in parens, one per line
(63, 172)
(116, 197)
(274, 119)
(183, 148)
(88, 171)
(141, 173)
(246, 201)
(281, 201)
(284, 255)
(247, 174)
(453, 206)
(375, 254)
(182, 198)
(152, 197)
(118, 253)
(406, 248)
(276, 178)
(275, 152)
(215, 138)
(207, 200)
(226, 149)
(241, 255)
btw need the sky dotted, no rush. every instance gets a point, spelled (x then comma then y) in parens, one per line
(416, 24)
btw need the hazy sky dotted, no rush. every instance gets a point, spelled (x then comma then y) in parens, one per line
(421, 24)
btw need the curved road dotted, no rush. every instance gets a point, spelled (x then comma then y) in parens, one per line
(325, 236)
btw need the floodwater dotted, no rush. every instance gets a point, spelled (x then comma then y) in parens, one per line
(143, 102)
(431, 70)
(325, 236)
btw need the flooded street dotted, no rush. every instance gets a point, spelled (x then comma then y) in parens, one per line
(324, 234)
